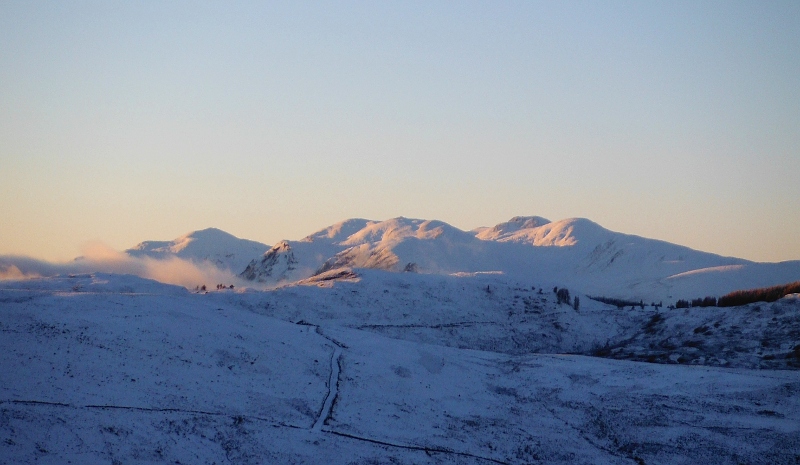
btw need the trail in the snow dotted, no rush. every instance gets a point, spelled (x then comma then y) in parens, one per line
(333, 389)
(333, 382)
(235, 417)
(427, 449)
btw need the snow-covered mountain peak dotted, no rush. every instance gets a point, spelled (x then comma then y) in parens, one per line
(395, 244)
(339, 232)
(277, 264)
(218, 247)
(388, 230)
(569, 232)
(282, 246)
(202, 238)
(409, 244)
(396, 230)
(511, 226)
(540, 232)
(439, 229)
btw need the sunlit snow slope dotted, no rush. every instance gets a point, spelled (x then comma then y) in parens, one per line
(575, 252)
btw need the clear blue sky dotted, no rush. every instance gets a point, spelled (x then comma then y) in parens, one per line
(127, 121)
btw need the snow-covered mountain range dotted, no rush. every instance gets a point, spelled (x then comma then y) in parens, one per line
(404, 341)
(574, 252)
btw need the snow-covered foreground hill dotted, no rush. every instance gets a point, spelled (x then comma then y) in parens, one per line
(493, 312)
(379, 368)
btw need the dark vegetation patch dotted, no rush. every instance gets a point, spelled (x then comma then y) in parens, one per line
(739, 298)
(765, 294)
(652, 324)
(702, 330)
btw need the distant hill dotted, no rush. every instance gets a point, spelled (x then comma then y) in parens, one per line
(221, 249)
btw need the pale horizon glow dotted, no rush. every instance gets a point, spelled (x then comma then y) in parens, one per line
(122, 123)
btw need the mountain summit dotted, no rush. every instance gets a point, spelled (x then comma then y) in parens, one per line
(221, 249)
(510, 227)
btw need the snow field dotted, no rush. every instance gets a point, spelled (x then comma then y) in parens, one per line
(116, 369)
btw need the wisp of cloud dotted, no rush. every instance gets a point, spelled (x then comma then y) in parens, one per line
(98, 257)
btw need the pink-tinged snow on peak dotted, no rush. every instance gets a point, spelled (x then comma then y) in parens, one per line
(365, 244)
(398, 229)
(202, 238)
(213, 245)
(280, 247)
(509, 227)
(537, 231)
(339, 232)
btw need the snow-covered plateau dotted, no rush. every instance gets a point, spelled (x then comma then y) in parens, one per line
(405, 342)
(381, 367)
